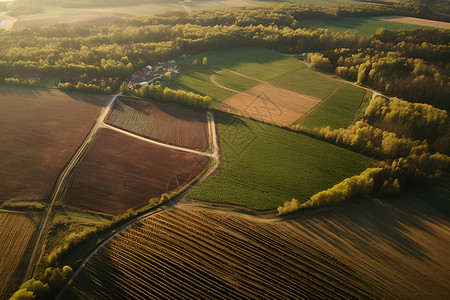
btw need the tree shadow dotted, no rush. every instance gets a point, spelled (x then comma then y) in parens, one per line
(392, 222)
(21, 91)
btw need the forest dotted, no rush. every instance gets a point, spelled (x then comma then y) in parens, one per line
(387, 61)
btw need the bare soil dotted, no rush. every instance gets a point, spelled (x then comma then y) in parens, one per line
(16, 231)
(395, 249)
(39, 132)
(168, 123)
(270, 104)
(120, 172)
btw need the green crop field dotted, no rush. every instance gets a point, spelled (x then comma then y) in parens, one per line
(234, 81)
(305, 81)
(363, 26)
(264, 166)
(341, 100)
(256, 63)
(339, 109)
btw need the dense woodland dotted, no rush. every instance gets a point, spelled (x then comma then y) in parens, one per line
(411, 65)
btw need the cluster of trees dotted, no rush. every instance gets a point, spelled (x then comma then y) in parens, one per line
(158, 92)
(283, 14)
(392, 128)
(46, 287)
(319, 62)
(417, 121)
(16, 81)
(86, 84)
(411, 65)
(405, 158)
(373, 141)
(388, 178)
(408, 64)
(69, 242)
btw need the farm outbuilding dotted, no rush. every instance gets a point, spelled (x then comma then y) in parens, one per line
(143, 72)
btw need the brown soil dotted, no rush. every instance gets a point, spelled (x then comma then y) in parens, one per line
(16, 230)
(120, 172)
(416, 21)
(268, 103)
(39, 131)
(168, 123)
(395, 249)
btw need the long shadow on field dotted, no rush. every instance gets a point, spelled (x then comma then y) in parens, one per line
(97, 100)
(361, 225)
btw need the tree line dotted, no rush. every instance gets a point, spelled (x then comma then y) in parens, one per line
(408, 64)
(158, 92)
(404, 161)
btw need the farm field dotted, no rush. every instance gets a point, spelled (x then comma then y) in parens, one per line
(183, 126)
(16, 231)
(340, 101)
(370, 249)
(40, 130)
(264, 166)
(256, 63)
(339, 109)
(120, 172)
(365, 26)
(229, 73)
(270, 104)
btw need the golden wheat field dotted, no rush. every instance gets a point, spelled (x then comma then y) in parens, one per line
(361, 250)
(16, 231)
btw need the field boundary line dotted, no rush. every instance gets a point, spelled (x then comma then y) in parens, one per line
(213, 81)
(237, 73)
(215, 156)
(59, 188)
(148, 140)
(315, 107)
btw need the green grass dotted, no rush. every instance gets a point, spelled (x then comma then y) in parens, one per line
(235, 81)
(342, 100)
(305, 81)
(253, 62)
(338, 110)
(196, 79)
(264, 166)
(363, 26)
(71, 215)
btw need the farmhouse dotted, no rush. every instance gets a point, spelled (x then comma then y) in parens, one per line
(142, 72)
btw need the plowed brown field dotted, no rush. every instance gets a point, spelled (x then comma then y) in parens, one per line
(372, 249)
(120, 172)
(271, 104)
(16, 230)
(168, 123)
(39, 131)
